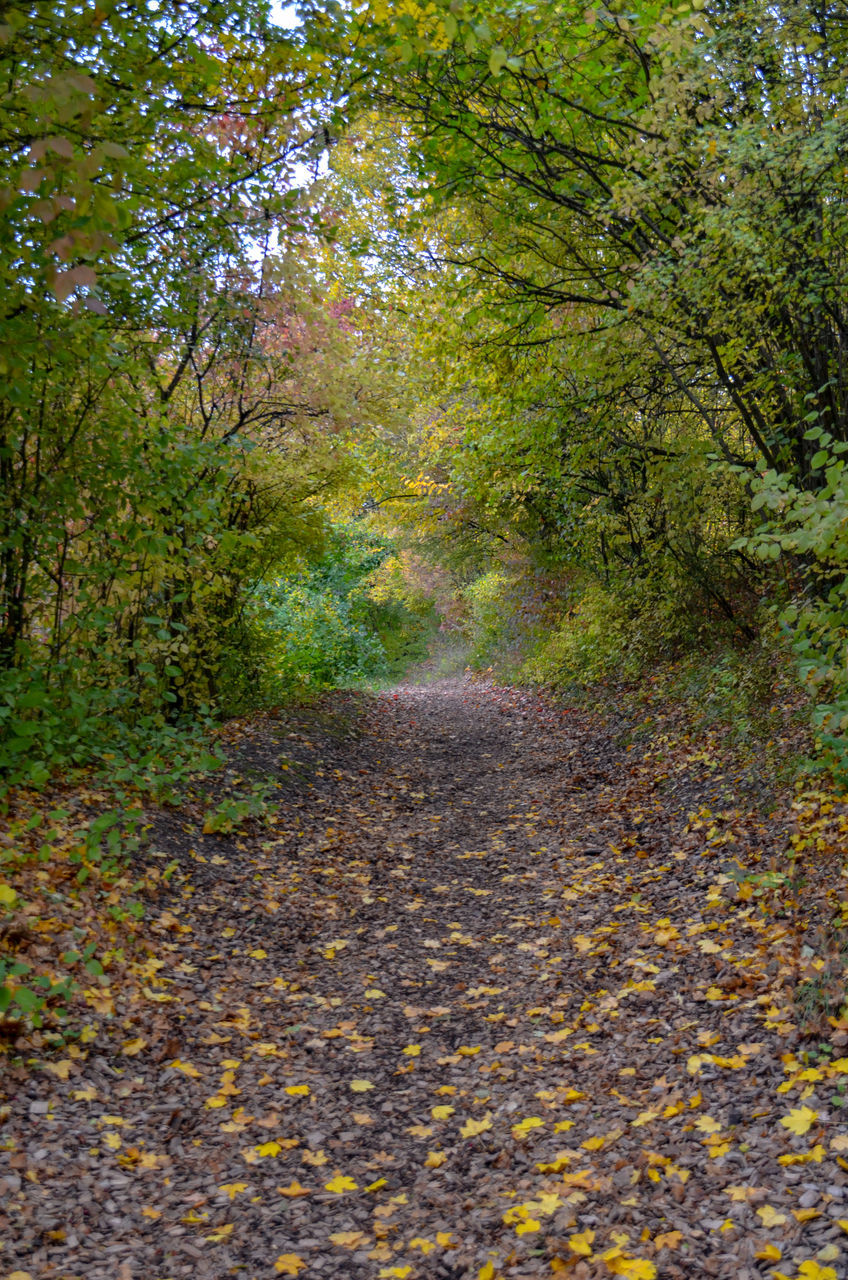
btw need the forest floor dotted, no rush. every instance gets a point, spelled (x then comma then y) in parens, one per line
(488, 991)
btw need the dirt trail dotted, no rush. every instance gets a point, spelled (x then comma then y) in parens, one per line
(479, 1002)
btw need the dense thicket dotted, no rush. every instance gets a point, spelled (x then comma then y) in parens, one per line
(637, 215)
(174, 377)
(554, 294)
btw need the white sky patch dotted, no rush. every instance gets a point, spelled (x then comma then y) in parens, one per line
(285, 15)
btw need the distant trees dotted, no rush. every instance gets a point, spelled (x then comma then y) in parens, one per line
(170, 395)
(639, 219)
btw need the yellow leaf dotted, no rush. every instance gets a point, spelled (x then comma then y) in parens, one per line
(812, 1271)
(149, 1212)
(412, 1050)
(220, 1234)
(341, 1183)
(88, 1094)
(193, 1219)
(435, 1159)
(445, 1239)
(815, 1155)
(523, 1127)
(799, 1120)
(769, 1253)
(375, 1186)
(593, 1144)
(349, 1239)
(289, 1264)
(743, 1194)
(297, 1090)
(400, 1272)
(771, 1217)
(315, 1158)
(61, 1069)
(374, 993)
(294, 1189)
(259, 954)
(631, 1268)
(133, 1047)
(644, 1117)
(442, 1113)
(420, 1130)
(806, 1215)
(232, 1189)
(531, 1224)
(268, 1149)
(472, 1127)
(706, 1124)
(581, 1243)
(112, 1140)
(8, 896)
(668, 1239)
(186, 1068)
(486, 1272)
(361, 1086)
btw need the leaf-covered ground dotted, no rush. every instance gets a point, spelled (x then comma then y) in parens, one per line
(487, 995)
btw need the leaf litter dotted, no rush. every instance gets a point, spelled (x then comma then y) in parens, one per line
(489, 994)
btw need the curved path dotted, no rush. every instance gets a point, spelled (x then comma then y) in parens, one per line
(480, 1001)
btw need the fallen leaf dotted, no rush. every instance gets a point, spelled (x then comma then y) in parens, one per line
(186, 1068)
(350, 1239)
(581, 1243)
(294, 1189)
(799, 1120)
(220, 1234)
(232, 1189)
(289, 1264)
(341, 1183)
(472, 1127)
(770, 1216)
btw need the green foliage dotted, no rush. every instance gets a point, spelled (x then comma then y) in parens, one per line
(338, 622)
(490, 623)
(614, 635)
(809, 531)
(89, 855)
(172, 391)
(640, 307)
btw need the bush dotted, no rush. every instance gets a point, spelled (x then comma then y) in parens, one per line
(351, 616)
(491, 615)
(613, 636)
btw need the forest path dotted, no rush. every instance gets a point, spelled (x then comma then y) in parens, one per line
(481, 1001)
